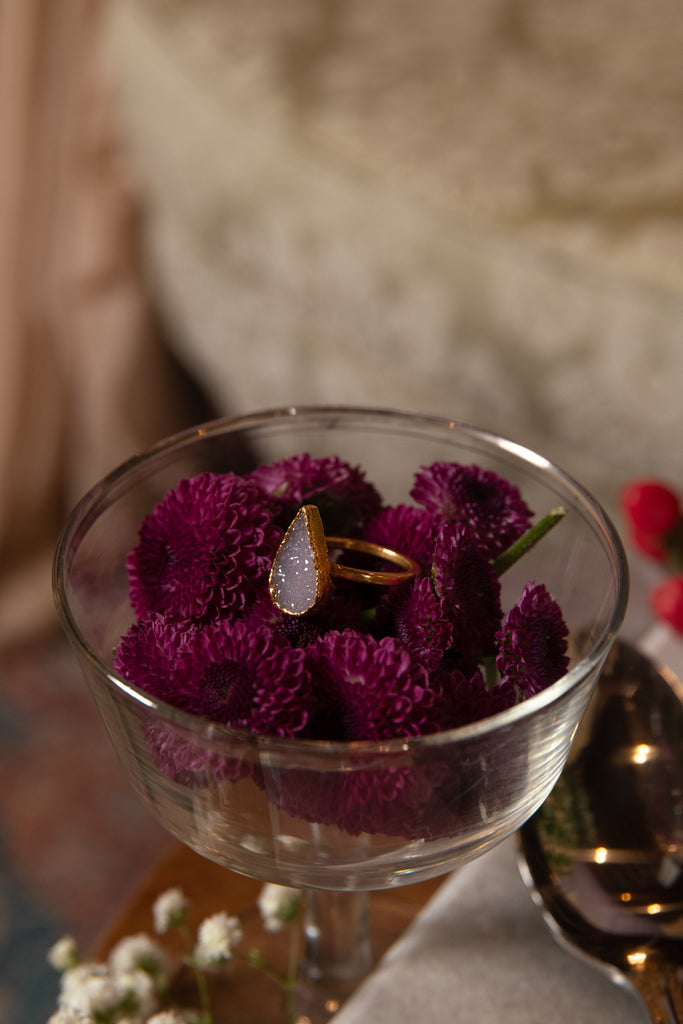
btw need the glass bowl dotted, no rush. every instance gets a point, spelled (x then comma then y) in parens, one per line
(341, 816)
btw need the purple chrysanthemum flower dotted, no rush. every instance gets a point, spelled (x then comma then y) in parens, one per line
(148, 653)
(470, 699)
(417, 617)
(491, 507)
(188, 762)
(345, 498)
(465, 581)
(243, 677)
(147, 656)
(532, 643)
(251, 679)
(394, 801)
(203, 548)
(406, 529)
(370, 689)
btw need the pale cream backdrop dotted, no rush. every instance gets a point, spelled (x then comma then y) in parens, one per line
(469, 208)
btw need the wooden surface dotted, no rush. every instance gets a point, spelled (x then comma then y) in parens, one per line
(210, 888)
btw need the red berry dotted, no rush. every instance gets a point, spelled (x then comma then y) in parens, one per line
(667, 601)
(652, 507)
(648, 545)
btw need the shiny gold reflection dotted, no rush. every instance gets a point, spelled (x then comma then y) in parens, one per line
(637, 959)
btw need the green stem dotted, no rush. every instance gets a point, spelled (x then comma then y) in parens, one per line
(528, 540)
(292, 970)
(255, 959)
(206, 1016)
(490, 672)
(286, 982)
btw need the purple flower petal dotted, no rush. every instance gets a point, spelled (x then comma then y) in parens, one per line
(393, 801)
(243, 677)
(371, 688)
(406, 529)
(417, 617)
(532, 643)
(465, 581)
(470, 699)
(345, 499)
(148, 654)
(202, 549)
(489, 506)
(189, 763)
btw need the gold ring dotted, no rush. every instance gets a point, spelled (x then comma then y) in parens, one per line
(301, 573)
(409, 566)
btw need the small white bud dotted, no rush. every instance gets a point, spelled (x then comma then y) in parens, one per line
(278, 905)
(169, 910)
(216, 938)
(64, 955)
(139, 952)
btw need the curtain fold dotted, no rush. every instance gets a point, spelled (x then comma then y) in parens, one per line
(86, 376)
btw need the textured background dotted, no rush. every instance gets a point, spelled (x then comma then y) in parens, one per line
(473, 209)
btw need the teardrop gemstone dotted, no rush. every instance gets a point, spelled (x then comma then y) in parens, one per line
(300, 574)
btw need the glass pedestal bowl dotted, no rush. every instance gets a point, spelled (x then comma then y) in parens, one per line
(340, 819)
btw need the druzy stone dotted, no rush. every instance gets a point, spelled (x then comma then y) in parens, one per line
(300, 574)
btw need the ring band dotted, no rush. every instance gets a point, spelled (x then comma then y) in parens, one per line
(301, 573)
(408, 566)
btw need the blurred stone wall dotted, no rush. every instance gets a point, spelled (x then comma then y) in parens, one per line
(473, 209)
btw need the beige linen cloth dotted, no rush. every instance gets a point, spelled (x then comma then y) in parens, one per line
(85, 379)
(479, 953)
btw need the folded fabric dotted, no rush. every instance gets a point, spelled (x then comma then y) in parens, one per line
(480, 952)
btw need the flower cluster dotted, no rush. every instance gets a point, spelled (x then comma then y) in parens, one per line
(654, 516)
(371, 663)
(127, 987)
(132, 985)
(209, 640)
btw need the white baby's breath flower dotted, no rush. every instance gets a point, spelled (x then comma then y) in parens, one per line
(139, 1017)
(217, 936)
(141, 952)
(169, 910)
(168, 1017)
(138, 993)
(90, 988)
(278, 905)
(64, 953)
(67, 1015)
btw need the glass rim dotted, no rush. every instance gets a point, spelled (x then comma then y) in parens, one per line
(88, 505)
